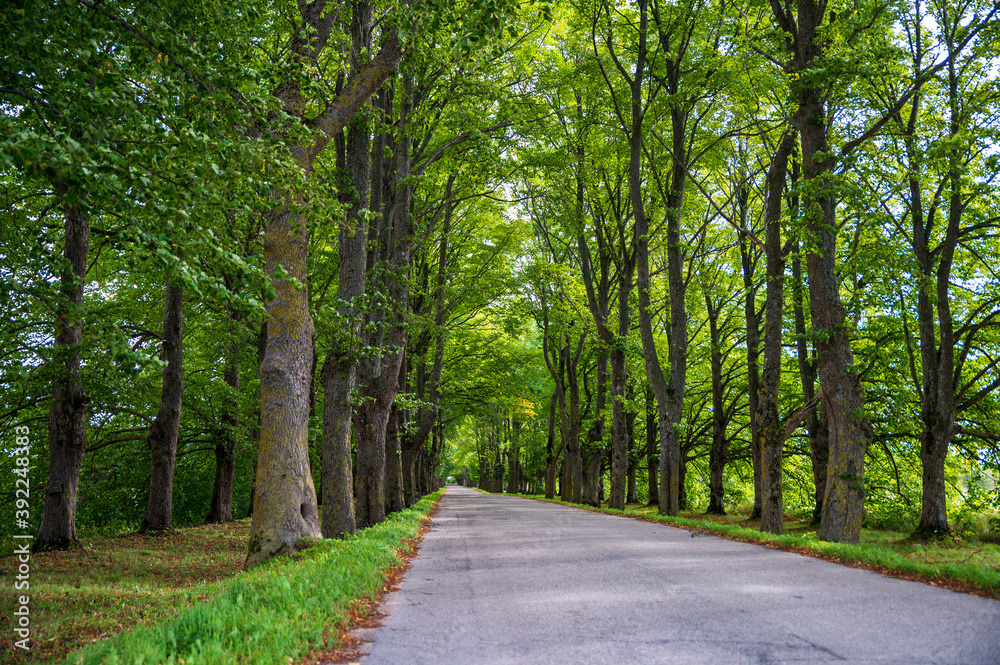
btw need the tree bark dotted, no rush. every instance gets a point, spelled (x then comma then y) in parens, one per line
(165, 428)
(221, 508)
(938, 409)
(619, 426)
(652, 438)
(513, 458)
(379, 376)
(768, 419)
(394, 501)
(717, 453)
(551, 456)
(749, 263)
(816, 416)
(285, 498)
(850, 431)
(67, 425)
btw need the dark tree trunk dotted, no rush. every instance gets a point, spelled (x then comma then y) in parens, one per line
(513, 458)
(652, 437)
(221, 508)
(619, 425)
(68, 408)
(749, 264)
(633, 453)
(575, 458)
(394, 501)
(850, 431)
(164, 430)
(717, 454)
(594, 459)
(816, 416)
(669, 401)
(767, 416)
(339, 373)
(255, 431)
(938, 408)
(551, 456)
(379, 375)
(682, 495)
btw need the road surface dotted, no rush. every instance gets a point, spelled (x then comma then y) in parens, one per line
(503, 579)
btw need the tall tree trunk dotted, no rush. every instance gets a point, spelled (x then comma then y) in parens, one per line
(165, 428)
(68, 407)
(749, 264)
(652, 437)
(285, 498)
(717, 454)
(551, 457)
(816, 416)
(938, 410)
(633, 457)
(574, 465)
(513, 458)
(768, 419)
(285, 495)
(666, 394)
(339, 373)
(221, 508)
(380, 374)
(593, 460)
(619, 426)
(850, 431)
(394, 501)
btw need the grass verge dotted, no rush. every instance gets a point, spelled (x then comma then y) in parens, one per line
(275, 613)
(944, 563)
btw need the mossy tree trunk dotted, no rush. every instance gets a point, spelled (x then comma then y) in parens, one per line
(285, 498)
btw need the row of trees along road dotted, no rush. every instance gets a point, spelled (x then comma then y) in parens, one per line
(308, 259)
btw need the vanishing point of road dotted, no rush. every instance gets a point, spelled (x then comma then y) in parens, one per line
(502, 579)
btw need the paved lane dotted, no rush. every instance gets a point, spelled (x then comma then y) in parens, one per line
(508, 580)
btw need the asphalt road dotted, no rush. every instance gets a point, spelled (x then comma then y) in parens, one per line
(508, 580)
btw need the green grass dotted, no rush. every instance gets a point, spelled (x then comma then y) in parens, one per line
(971, 566)
(279, 611)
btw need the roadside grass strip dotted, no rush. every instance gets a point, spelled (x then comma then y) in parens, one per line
(277, 612)
(964, 577)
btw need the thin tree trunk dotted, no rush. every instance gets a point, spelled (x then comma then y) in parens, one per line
(221, 508)
(339, 373)
(652, 438)
(717, 453)
(619, 428)
(749, 263)
(551, 457)
(380, 375)
(68, 409)
(513, 458)
(768, 419)
(165, 428)
(816, 416)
